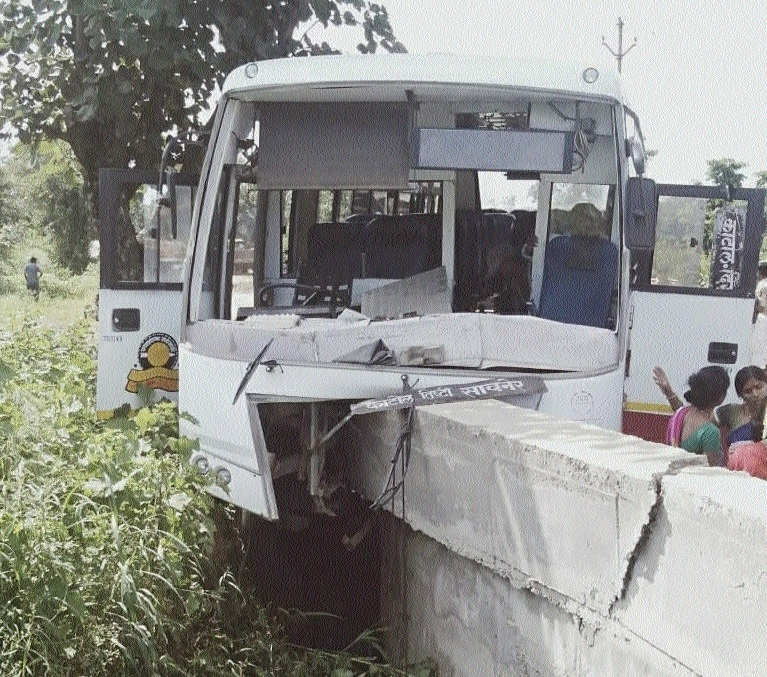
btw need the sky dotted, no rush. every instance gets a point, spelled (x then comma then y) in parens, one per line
(697, 76)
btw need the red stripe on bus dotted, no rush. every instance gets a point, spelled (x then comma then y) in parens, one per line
(649, 426)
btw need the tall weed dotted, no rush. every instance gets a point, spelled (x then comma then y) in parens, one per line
(105, 536)
(101, 533)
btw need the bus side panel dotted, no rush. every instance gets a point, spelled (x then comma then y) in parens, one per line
(680, 333)
(138, 331)
(591, 399)
(649, 425)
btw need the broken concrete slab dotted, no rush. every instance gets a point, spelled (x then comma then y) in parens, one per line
(699, 588)
(543, 546)
(476, 622)
(554, 506)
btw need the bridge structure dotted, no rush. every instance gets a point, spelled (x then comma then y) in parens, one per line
(523, 544)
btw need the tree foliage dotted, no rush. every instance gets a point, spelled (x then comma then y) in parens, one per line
(726, 172)
(45, 191)
(10, 233)
(110, 78)
(66, 210)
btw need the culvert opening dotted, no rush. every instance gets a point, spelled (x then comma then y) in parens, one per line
(311, 567)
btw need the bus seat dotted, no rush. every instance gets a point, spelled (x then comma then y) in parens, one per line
(468, 260)
(360, 217)
(578, 280)
(333, 253)
(333, 260)
(400, 246)
(524, 228)
(430, 227)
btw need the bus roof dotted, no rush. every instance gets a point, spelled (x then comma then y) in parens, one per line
(387, 77)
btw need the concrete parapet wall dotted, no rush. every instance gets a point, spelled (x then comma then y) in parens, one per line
(548, 547)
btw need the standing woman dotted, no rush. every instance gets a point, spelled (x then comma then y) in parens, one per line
(751, 387)
(759, 330)
(693, 427)
(747, 450)
(739, 422)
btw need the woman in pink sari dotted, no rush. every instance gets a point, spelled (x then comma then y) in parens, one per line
(749, 456)
(693, 427)
(743, 423)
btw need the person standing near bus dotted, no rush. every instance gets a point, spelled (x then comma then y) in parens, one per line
(693, 427)
(759, 330)
(32, 274)
(751, 387)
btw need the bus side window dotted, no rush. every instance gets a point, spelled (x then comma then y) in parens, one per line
(698, 244)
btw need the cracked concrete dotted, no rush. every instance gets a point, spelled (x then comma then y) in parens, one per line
(583, 536)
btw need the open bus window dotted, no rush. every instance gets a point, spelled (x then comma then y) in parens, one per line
(698, 243)
(245, 267)
(496, 191)
(140, 247)
(164, 246)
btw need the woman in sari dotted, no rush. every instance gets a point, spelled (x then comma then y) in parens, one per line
(739, 422)
(747, 450)
(693, 427)
(745, 422)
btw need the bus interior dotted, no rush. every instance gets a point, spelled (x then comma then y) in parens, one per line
(505, 211)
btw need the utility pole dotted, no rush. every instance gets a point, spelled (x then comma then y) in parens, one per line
(620, 53)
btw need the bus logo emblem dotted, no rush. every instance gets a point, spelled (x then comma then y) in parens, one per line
(157, 365)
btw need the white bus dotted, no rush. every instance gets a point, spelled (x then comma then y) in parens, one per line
(365, 227)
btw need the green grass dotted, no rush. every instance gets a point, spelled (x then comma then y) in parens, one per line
(64, 298)
(107, 557)
(54, 310)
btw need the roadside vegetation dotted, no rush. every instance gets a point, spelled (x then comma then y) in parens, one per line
(108, 560)
(63, 296)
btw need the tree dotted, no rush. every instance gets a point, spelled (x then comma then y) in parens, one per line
(44, 188)
(66, 211)
(112, 78)
(9, 231)
(726, 172)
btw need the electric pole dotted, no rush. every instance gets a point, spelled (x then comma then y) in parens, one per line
(620, 53)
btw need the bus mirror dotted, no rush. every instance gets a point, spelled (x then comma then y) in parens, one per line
(640, 214)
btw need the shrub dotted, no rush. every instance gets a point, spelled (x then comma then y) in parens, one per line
(102, 533)
(105, 536)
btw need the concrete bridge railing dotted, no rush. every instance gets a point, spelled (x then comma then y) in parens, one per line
(543, 546)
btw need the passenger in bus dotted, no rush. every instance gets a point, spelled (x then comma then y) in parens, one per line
(507, 288)
(693, 427)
